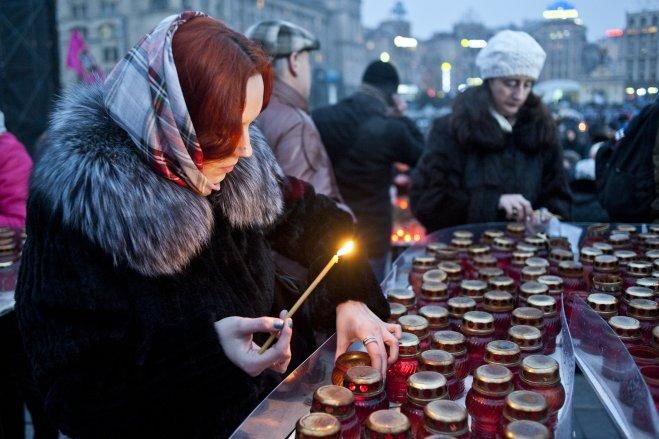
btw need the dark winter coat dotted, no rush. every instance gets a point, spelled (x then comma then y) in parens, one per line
(124, 274)
(470, 162)
(363, 143)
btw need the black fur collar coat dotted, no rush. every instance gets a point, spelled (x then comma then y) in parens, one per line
(124, 273)
(470, 162)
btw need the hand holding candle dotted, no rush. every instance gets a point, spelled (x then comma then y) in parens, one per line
(347, 248)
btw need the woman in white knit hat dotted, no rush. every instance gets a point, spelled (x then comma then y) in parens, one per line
(496, 157)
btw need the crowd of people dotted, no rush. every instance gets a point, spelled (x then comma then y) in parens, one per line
(180, 206)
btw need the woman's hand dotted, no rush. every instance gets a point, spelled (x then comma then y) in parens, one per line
(354, 321)
(516, 206)
(236, 334)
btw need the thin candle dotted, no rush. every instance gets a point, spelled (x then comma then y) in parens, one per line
(347, 248)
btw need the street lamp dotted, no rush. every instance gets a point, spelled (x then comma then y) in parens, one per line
(446, 77)
(385, 57)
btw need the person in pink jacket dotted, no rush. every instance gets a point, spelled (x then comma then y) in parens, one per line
(15, 169)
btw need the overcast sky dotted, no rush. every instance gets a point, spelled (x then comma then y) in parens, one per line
(428, 16)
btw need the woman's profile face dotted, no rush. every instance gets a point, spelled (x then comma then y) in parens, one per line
(509, 93)
(217, 170)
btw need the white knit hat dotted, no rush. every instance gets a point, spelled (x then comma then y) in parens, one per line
(511, 53)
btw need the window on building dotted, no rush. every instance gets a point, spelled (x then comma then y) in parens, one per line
(159, 5)
(108, 8)
(643, 22)
(655, 19)
(82, 30)
(110, 54)
(106, 31)
(631, 22)
(78, 9)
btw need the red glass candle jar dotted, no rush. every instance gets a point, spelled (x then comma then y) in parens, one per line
(624, 258)
(558, 241)
(517, 264)
(613, 357)
(528, 338)
(457, 307)
(526, 430)
(367, 386)
(482, 262)
(500, 305)
(531, 274)
(528, 289)
(387, 424)
(504, 353)
(556, 256)
(631, 293)
(651, 283)
(487, 273)
(462, 246)
(608, 284)
(527, 315)
(555, 288)
(603, 304)
(651, 255)
(346, 361)
(628, 329)
(455, 344)
(651, 376)
(525, 247)
(395, 311)
(403, 296)
(463, 234)
(316, 425)
(486, 398)
(437, 317)
(596, 233)
(477, 252)
(420, 264)
(636, 270)
(490, 235)
(478, 328)
(444, 418)
(644, 356)
(453, 272)
(573, 276)
(606, 264)
(443, 362)
(655, 337)
(539, 242)
(620, 241)
(422, 388)
(552, 321)
(587, 259)
(417, 325)
(647, 313)
(434, 275)
(516, 231)
(502, 249)
(403, 368)
(540, 373)
(433, 293)
(474, 289)
(569, 299)
(340, 403)
(523, 405)
(503, 283)
(604, 247)
(433, 247)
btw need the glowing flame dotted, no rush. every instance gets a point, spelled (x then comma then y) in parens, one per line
(347, 248)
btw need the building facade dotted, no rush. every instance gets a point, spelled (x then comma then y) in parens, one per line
(642, 53)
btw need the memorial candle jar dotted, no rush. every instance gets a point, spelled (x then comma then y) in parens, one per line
(443, 362)
(503, 283)
(624, 258)
(447, 254)
(531, 274)
(455, 344)
(437, 317)
(479, 252)
(573, 276)
(340, 403)
(525, 247)
(462, 247)
(556, 256)
(504, 353)
(555, 288)
(517, 264)
(482, 262)
(457, 307)
(478, 328)
(433, 293)
(628, 329)
(387, 424)
(606, 264)
(587, 259)
(596, 233)
(434, 247)
(651, 283)
(417, 325)
(651, 255)
(433, 276)
(608, 284)
(636, 270)
(486, 398)
(422, 388)
(526, 430)
(632, 293)
(540, 373)
(528, 338)
(502, 249)
(552, 321)
(403, 368)
(528, 289)
(620, 241)
(444, 418)
(453, 272)
(403, 296)
(487, 273)
(516, 231)
(463, 234)
(395, 311)
(647, 313)
(346, 361)
(603, 304)
(655, 338)
(527, 315)
(539, 242)
(474, 289)
(489, 236)
(604, 247)
(558, 242)
(523, 405)
(367, 386)
(316, 425)
(500, 305)
(420, 264)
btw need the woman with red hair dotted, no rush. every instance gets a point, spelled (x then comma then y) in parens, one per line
(147, 279)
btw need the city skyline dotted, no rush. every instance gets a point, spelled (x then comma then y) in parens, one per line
(430, 16)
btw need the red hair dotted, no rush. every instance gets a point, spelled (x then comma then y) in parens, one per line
(213, 63)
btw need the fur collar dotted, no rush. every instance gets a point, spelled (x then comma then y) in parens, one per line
(92, 176)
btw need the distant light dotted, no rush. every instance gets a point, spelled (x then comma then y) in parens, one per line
(614, 33)
(431, 93)
(407, 89)
(560, 14)
(370, 45)
(446, 77)
(652, 30)
(653, 90)
(446, 66)
(578, 21)
(641, 91)
(384, 57)
(582, 127)
(474, 81)
(462, 87)
(473, 44)
(629, 90)
(405, 42)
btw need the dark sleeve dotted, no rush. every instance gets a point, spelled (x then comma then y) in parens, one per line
(406, 140)
(438, 198)
(310, 232)
(98, 368)
(555, 192)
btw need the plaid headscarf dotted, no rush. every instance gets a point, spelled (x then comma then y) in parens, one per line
(146, 100)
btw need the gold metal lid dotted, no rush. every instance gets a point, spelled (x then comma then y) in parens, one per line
(636, 292)
(414, 324)
(559, 242)
(485, 261)
(618, 240)
(516, 228)
(457, 306)
(503, 283)
(570, 269)
(629, 229)
(461, 244)
(654, 228)
(333, 400)
(525, 247)
(450, 268)
(527, 337)
(425, 386)
(449, 341)
(489, 272)
(317, 425)
(652, 254)
(603, 303)
(479, 250)
(526, 315)
(434, 276)
(560, 254)
(473, 288)
(543, 302)
(540, 370)
(423, 261)
(647, 236)
(403, 296)
(649, 282)
(386, 422)
(520, 257)
(655, 335)
(627, 328)
(437, 316)
(408, 345)
(536, 241)
(498, 301)
(493, 380)
(604, 247)
(597, 229)
(643, 309)
(503, 352)
(530, 274)
(502, 243)
(437, 360)
(531, 288)
(463, 234)
(445, 417)
(652, 244)
(434, 290)
(477, 323)
(491, 235)
(525, 405)
(526, 430)
(553, 282)
(605, 263)
(588, 255)
(624, 256)
(608, 283)
(363, 381)
(537, 262)
(639, 268)
(396, 310)
(448, 254)
(433, 247)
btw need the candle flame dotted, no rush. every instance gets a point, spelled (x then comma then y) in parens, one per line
(347, 248)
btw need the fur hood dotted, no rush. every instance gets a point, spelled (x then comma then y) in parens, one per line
(92, 176)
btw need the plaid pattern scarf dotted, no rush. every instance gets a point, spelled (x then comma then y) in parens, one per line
(145, 99)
